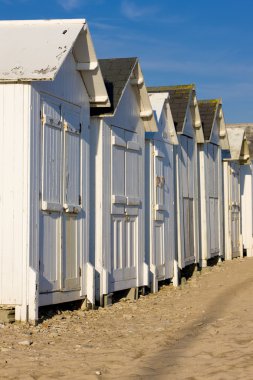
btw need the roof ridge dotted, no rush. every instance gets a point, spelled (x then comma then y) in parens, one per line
(209, 101)
(172, 87)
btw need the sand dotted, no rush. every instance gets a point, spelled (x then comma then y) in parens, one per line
(203, 330)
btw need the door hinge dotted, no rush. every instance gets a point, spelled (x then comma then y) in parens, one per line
(80, 272)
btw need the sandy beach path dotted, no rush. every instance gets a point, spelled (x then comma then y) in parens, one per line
(203, 330)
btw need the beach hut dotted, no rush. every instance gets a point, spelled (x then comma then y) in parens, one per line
(117, 179)
(210, 179)
(186, 118)
(238, 155)
(246, 189)
(49, 78)
(159, 187)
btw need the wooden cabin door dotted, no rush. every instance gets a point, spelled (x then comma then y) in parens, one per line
(235, 209)
(125, 160)
(188, 175)
(213, 199)
(162, 250)
(60, 198)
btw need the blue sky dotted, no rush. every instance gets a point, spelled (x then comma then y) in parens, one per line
(209, 43)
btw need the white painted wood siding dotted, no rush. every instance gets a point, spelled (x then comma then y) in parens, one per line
(210, 181)
(117, 154)
(232, 210)
(14, 192)
(67, 89)
(187, 201)
(160, 232)
(246, 185)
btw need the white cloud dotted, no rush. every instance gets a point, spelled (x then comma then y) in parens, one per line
(134, 12)
(102, 26)
(68, 5)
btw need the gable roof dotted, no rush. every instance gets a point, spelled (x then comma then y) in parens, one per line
(160, 102)
(239, 148)
(34, 50)
(208, 110)
(117, 74)
(248, 129)
(180, 97)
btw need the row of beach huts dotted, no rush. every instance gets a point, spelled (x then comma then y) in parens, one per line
(107, 185)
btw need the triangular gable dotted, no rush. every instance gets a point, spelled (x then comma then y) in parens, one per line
(163, 115)
(248, 128)
(183, 102)
(34, 50)
(213, 123)
(208, 109)
(239, 148)
(118, 73)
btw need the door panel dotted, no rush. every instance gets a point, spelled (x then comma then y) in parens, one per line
(71, 249)
(191, 166)
(51, 158)
(125, 205)
(118, 242)
(131, 226)
(235, 209)
(60, 192)
(158, 252)
(213, 199)
(118, 171)
(50, 252)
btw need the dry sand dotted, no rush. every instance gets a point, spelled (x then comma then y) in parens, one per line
(203, 330)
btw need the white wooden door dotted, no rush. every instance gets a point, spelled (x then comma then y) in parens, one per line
(71, 199)
(60, 198)
(163, 239)
(235, 209)
(188, 174)
(213, 199)
(125, 208)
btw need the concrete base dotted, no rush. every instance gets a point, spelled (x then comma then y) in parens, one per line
(176, 277)
(87, 305)
(203, 263)
(7, 315)
(107, 300)
(133, 294)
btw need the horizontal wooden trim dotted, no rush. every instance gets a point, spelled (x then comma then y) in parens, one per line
(119, 199)
(71, 209)
(133, 145)
(158, 153)
(118, 141)
(50, 206)
(68, 128)
(131, 201)
(159, 207)
(56, 123)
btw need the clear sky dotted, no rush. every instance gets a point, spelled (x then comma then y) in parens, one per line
(209, 43)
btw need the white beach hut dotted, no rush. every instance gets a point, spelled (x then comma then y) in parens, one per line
(160, 198)
(185, 112)
(210, 179)
(186, 118)
(117, 179)
(49, 77)
(238, 155)
(246, 189)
